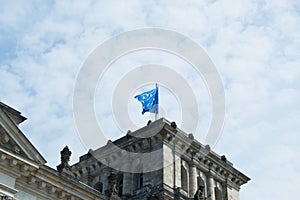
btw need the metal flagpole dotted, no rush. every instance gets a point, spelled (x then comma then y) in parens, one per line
(156, 113)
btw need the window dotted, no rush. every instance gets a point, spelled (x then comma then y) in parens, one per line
(99, 186)
(120, 186)
(218, 194)
(200, 184)
(184, 179)
(140, 180)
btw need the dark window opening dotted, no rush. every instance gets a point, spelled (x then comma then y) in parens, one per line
(218, 194)
(120, 186)
(140, 180)
(99, 186)
(184, 179)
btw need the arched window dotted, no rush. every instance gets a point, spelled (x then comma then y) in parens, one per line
(184, 179)
(99, 186)
(218, 194)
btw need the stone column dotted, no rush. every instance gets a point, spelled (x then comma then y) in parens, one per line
(193, 180)
(177, 171)
(127, 183)
(210, 187)
(224, 188)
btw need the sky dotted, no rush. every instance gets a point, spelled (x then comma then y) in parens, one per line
(255, 46)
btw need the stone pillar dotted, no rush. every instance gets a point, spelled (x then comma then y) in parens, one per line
(127, 183)
(177, 171)
(210, 187)
(193, 180)
(224, 188)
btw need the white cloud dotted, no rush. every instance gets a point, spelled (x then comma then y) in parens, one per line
(255, 46)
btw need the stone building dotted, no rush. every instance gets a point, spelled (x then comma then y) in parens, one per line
(23, 173)
(158, 161)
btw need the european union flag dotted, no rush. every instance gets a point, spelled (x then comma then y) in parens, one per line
(149, 100)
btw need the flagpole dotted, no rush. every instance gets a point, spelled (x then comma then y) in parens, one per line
(156, 113)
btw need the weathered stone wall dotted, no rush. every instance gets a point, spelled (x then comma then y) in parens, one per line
(25, 196)
(7, 180)
(9, 187)
(233, 194)
(168, 170)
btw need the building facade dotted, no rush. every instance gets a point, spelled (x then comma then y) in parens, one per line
(163, 163)
(23, 173)
(158, 161)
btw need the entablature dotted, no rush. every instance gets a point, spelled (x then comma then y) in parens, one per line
(43, 181)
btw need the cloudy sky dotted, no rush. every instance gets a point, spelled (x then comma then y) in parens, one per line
(255, 45)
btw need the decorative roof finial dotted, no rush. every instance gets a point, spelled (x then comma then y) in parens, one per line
(65, 155)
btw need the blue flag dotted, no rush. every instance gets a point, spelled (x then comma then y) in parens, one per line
(149, 100)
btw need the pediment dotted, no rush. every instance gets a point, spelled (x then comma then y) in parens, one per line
(11, 137)
(8, 143)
